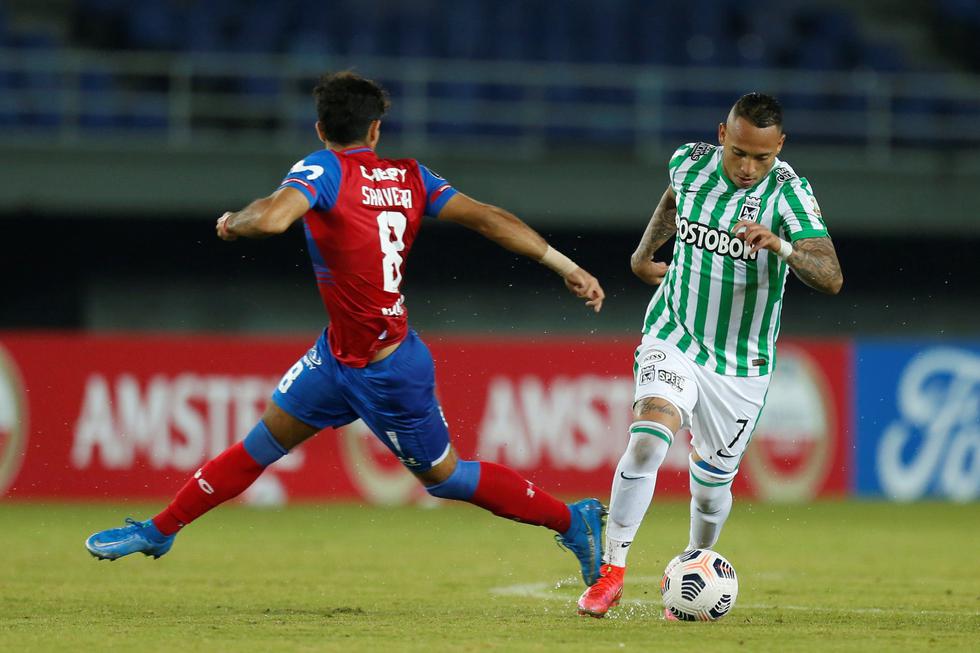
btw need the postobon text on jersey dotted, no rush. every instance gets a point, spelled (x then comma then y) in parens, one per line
(713, 240)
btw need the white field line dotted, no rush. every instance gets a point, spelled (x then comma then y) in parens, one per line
(547, 591)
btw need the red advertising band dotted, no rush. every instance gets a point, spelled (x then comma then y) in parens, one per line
(136, 415)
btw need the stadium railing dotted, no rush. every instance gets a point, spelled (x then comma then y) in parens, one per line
(179, 101)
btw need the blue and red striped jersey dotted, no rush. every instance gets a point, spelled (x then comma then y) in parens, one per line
(364, 214)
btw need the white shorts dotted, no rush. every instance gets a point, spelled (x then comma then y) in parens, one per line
(721, 411)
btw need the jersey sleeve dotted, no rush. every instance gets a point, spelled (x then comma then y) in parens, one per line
(799, 213)
(676, 160)
(438, 191)
(318, 177)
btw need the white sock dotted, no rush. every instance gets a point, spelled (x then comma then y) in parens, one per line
(633, 485)
(711, 503)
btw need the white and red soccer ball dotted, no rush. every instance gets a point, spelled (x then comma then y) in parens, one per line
(698, 585)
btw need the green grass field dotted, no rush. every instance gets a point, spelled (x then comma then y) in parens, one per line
(824, 577)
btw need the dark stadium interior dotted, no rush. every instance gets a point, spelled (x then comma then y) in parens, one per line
(893, 286)
(155, 117)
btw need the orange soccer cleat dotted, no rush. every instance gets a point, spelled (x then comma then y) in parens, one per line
(596, 601)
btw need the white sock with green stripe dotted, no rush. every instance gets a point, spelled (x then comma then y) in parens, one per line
(711, 502)
(633, 485)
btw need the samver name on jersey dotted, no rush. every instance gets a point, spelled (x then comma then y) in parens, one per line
(386, 197)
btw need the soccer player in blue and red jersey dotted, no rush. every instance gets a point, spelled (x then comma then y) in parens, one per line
(361, 214)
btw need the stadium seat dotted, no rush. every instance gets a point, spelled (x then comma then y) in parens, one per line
(709, 33)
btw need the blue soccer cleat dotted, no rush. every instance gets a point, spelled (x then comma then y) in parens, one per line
(135, 537)
(584, 536)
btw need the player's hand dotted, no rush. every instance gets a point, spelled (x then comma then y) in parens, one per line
(584, 285)
(756, 236)
(651, 272)
(222, 228)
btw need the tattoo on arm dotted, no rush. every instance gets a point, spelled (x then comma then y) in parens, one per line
(814, 261)
(660, 228)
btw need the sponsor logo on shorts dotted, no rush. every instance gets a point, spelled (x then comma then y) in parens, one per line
(673, 379)
(646, 374)
(312, 358)
(650, 373)
(13, 420)
(654, 356)
(713, 240)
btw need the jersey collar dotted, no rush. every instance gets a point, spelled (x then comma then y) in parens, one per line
(356, 150)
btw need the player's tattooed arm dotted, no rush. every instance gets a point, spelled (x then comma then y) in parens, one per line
(264, 217)
(814, 261)
(660, 229)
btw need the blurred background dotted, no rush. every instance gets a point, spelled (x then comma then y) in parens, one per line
(127, 128)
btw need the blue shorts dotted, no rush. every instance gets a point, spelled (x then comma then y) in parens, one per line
(395, 397)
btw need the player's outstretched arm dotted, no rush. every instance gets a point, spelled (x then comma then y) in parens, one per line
(511, 233)
(661, 227)
(264, 217)
(813, 260)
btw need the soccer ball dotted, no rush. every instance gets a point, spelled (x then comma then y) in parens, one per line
(699, 585)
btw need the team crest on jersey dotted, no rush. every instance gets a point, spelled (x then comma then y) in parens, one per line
(700, 150)
(750, 209)
(784, 174)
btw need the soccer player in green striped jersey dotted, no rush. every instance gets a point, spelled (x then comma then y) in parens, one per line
(741, 219)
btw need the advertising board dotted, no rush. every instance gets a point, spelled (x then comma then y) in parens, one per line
(111, 417)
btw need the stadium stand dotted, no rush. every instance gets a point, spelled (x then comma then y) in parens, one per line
(957, 23)
(747, 35)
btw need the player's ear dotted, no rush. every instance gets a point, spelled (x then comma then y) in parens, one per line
(782, 139)
(721, 133)
(374, 133)
(320, 133)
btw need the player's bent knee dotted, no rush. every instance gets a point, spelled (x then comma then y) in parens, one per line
(460, 485)
(711, 500)
(711, 487)
(647, 447)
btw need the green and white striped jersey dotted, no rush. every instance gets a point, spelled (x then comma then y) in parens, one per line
(719, 304)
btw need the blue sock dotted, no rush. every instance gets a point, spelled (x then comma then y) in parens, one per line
(461, 484)
(262, 447)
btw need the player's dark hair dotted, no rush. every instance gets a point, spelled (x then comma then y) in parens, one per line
(347, 104)
(759, 109)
